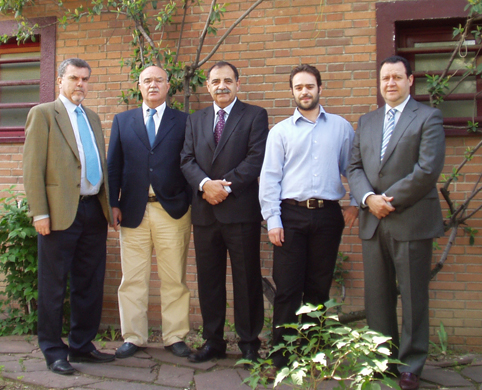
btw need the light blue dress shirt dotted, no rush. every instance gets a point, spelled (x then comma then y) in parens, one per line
(304, 160)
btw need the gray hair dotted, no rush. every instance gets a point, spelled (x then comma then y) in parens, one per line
(77, 62)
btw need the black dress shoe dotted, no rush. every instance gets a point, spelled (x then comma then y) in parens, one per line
(179, 349)
(91, 357)
(127, 350)
(205, 354)
(409, 381)
(252, 355)
(61, 367)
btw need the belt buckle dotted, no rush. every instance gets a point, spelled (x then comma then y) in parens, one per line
(317, 204)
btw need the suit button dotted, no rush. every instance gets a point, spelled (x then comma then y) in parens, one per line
(380, 175)
(150, 169)
(78, 185)
(79, 167)
(152, 152)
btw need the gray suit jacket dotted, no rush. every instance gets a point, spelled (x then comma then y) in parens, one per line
(51, 164)
(409, 171)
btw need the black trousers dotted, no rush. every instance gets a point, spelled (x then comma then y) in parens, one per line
(211, 243)
(303, 266)
(79, 251)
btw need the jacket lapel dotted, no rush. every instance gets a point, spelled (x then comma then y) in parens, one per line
(233, 119)
(63, 121)
(408, 115)
(208, 127)
(377, 133)
(99, 136)
(166, 125)
(139, 127)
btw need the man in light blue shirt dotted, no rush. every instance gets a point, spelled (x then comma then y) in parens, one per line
(300, 186)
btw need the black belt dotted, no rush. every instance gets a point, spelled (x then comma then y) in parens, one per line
(86, 198)
(152, 198)
(311, 204)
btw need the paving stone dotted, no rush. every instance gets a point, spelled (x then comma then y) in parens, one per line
(474, 373)
(175, 376)
(134, 361)
(16, 347)
(115, 385)
(24, 365)
(445, 377)
(107, 370)
(167, 357)
(49, 379)
(7, 358)
(219, 380)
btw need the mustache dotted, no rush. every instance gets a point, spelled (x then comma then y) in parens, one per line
(306, 95)
(225, 90)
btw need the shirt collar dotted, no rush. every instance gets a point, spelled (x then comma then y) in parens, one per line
(400, 107)
(69, 106)
(298, 115)
(159, 109)
(227, 109)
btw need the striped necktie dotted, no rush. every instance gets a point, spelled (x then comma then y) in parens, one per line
(387, 132)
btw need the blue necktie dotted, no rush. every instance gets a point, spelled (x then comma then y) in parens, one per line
(92, 171)
(387, 132)
(151, 126)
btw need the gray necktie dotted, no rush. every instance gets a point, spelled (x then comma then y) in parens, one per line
(387, 132)
(151, 126)
(91, 160)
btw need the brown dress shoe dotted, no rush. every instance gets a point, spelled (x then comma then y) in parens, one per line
(409, 381)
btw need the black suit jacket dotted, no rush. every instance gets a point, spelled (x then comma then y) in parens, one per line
(133, 165)
(237, 158)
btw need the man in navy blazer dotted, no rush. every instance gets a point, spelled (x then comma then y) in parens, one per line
(221, 160)
(397, 157)
(150, 201)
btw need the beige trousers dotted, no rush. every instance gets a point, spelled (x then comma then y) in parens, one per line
(170, 237)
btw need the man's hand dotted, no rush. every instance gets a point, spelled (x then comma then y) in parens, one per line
(350, 213)
(277, 236)
(380, 205)
(214, 192)
(117, 216)
(42, 226)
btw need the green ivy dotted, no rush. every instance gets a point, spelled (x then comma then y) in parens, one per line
(18, 264)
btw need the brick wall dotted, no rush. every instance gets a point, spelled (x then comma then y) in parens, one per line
(339, 38)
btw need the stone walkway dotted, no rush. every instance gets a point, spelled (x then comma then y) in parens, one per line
(156, 369)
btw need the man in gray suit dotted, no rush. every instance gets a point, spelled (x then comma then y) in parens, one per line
(397, 157)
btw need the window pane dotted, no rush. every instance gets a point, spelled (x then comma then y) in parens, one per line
(467, 86)
(438, 61)
(456, 108)
(21, 93)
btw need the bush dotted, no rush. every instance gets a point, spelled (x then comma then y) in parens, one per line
(18, 263)
(325, 349)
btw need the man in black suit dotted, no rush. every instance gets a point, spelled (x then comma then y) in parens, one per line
(397, 157)
(222, 157)
(150, 200)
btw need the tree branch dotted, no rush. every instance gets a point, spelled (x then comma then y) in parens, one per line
(225, 35)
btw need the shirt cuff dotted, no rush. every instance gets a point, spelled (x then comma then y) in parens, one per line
(363, 204)
(274, 222)
(39, 217)
(203, 181)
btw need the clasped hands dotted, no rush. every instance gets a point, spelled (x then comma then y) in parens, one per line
(214, 191)
(379, 205)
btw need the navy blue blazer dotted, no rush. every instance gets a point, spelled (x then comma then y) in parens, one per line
(133, 165)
